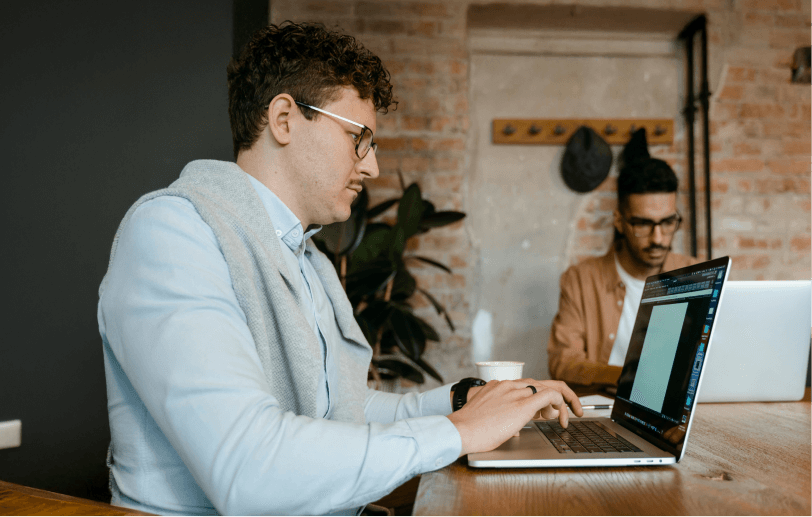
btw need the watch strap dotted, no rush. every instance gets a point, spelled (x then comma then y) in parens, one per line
(461, 391)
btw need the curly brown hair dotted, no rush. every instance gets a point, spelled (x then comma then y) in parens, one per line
(305, 60)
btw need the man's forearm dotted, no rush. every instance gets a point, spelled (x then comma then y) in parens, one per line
(586, 373)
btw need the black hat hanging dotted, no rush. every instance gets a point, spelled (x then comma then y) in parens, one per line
(587, 159)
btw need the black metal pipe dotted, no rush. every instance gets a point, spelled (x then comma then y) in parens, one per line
(688, 113)
(704, 96)
(693, 27)
(698, 24)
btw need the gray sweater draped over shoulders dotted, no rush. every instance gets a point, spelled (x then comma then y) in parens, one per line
(288, 348)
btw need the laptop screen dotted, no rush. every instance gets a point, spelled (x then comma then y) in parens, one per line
(657, 388)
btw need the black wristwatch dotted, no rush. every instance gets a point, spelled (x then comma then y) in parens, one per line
(461, 391)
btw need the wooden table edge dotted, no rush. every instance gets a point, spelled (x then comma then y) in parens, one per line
(21, 490)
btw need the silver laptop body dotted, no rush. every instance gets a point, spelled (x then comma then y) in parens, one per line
(656, 391)
(760, 344)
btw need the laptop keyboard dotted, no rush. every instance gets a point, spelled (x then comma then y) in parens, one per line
(584, 437)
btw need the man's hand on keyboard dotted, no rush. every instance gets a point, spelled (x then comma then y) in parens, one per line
(498, 410)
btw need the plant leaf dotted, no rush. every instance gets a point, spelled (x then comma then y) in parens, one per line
(370, 280)
(388, 343)
(439, 219)
(439, 308)
(373, 244)
(383, 373)
(432, 262)
(380, 208)
(397, 240)
(407, 333)
(372, 318)
(410, 210)
(428, 331)
(428, 369)
(369, 333)
(402, 369)
(376, 313)
(404, 284)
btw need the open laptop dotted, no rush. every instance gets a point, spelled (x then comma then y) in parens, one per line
(760, 344)
(651, 417)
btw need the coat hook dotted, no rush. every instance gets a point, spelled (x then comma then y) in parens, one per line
(559, 130)
(660, 130)
(632, 128)
(534, 130)
(509, 130)
(610, 129)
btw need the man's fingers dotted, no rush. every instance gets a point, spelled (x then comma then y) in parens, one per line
(564, 418)
(550, 399)
(549, 412)
(547, 398)
(572, 399)
(552, 404)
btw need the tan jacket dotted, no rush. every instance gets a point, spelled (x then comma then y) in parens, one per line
(589, 309)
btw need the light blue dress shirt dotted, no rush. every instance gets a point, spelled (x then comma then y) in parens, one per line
(194, 427)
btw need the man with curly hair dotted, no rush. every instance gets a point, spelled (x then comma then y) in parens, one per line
(236, 373)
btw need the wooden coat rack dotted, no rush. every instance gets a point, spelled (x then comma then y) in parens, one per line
(558, 131)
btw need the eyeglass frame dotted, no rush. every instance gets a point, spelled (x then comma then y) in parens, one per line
(652, 224)
(372, 144)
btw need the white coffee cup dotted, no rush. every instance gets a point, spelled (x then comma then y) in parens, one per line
(499, 370)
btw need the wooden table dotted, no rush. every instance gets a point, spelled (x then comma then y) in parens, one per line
(742, 459)
(22, 500)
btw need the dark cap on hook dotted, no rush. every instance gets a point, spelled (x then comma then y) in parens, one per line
(587, 159)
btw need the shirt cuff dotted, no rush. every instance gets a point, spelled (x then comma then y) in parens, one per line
(437, 401)
(438, 441)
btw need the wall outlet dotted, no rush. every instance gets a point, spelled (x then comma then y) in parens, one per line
(10, 434)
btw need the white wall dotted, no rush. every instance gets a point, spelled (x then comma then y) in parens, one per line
(522, 215)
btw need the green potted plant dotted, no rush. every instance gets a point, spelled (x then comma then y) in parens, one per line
(373, 265)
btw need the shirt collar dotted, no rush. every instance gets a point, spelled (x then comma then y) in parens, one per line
(287, 225)
(625, 277)
(610, 274)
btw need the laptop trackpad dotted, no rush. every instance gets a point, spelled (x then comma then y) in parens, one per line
(529, 439)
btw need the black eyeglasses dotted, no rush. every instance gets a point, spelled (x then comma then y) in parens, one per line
(645, 227)
(363, 142)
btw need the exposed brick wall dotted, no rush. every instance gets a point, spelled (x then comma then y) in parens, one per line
(760, 138)
(760, 146)
(761, 124)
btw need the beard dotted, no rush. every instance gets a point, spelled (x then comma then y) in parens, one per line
(644, 259)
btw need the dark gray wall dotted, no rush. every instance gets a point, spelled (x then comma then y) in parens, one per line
(101, 102)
